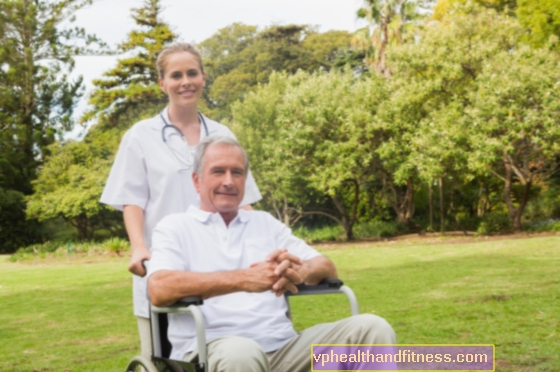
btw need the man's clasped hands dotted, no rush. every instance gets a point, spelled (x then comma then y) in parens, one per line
(281, 271)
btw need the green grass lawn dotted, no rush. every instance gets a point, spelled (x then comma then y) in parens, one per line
(74, 315)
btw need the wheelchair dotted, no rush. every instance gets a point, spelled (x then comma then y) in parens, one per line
(160, 362)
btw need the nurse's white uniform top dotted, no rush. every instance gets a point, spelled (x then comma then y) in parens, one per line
(148, 174)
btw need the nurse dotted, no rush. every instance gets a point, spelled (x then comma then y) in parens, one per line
(151, 175)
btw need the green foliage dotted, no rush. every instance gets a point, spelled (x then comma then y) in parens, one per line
(363, 230)
(306, 135)
(494, 223)
(514, 121)
(238, 58)
(58, 248)
(443, 6)
(131, 86)
(37, 97)
(545, 226)
(469, 116)
(70, 185)
(542, 19)
(320, 234)
(545, 206)
(389, 21)
(377, 228)
(72, 180)
(15, 231)
(117, 245)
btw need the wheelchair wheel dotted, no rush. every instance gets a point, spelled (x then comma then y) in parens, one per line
(141, 364)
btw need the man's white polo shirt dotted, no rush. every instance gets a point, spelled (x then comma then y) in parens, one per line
(199, 241)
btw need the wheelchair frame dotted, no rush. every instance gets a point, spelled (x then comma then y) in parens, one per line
(161, 347)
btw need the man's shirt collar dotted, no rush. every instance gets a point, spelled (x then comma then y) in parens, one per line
(204, 216)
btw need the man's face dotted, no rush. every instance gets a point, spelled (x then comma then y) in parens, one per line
(222, 183)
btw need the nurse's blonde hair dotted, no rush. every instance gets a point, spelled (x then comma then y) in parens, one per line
(176, 48)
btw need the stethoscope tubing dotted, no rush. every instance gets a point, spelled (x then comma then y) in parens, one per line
(167, 125)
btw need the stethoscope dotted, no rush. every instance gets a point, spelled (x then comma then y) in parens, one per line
(182, 154)
(167, 125)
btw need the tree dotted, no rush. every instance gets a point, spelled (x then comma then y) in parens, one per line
(70, 185)
(481, 102)
(255, 123)
(515, 122)
(542, 19)
(387, 21)
(72, 180)
(15, 232)
(443, 6)
(325, 121)
(37, 97)
(430, 93)
(306, 137)
(131, 86)
(238, 58)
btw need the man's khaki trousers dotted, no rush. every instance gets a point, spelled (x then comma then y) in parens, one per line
(238, 354)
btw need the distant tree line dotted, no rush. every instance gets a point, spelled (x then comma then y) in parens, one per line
(441, 119)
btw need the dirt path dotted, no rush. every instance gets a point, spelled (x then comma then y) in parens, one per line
(450, 237)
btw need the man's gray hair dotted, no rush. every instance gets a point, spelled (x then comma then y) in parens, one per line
(215, 140)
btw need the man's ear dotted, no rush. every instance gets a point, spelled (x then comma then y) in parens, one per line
(196, 182)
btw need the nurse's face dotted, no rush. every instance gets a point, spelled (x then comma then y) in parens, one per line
(222, 183)
(183, 79)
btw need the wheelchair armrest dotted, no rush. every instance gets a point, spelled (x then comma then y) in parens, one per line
(187, 301)
(328, 285)
(187, 305)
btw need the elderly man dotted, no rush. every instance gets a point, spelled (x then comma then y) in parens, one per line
(241, 262)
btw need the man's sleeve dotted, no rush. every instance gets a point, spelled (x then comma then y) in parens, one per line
(167, 250)
(294, 245)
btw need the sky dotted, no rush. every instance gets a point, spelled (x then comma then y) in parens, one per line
(195, 21)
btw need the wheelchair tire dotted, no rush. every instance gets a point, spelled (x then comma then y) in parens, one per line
(141, 364)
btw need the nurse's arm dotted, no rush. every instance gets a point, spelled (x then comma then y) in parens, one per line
(168, 286)
(134, 222)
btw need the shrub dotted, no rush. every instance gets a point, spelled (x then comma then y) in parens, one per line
(548, 225)
(117, 245)
(15, 230)
(62, 248)
(494, 223)
(377, 229)
(320, 234)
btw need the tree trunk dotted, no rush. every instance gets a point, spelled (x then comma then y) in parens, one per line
(515, 213)
(382, 64)
(441, 207)
(286, 213)
(481, 205)
(348, 220)
(403, 202)
(431, 205)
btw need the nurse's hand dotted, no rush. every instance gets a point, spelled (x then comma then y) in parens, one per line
(139, 254)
